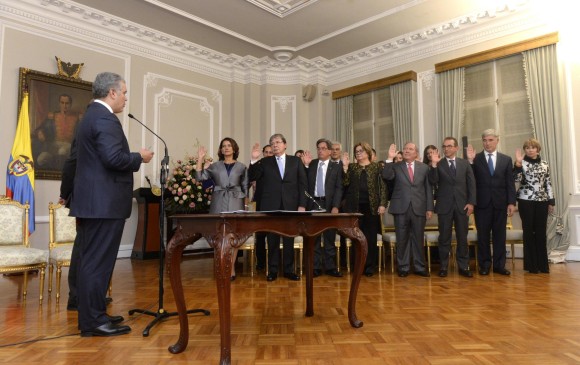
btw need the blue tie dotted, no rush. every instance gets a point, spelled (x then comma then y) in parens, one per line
(452, 167)
(490, 163)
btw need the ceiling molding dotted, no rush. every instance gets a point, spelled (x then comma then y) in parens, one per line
(107, 30)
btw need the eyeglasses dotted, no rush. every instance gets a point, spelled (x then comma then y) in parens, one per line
(359, 151)
(448, 146)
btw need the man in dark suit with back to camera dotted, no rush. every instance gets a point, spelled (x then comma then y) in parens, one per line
(101, 200)
(283, 181)
(411, 204)
(496, 200)
(325, 186)
(455, 201)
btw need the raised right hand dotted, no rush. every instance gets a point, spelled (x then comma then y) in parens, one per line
(519, 157)
(256, 151)
(392, 152)
(470, 153)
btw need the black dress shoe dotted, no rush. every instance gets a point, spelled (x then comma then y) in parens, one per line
(259, 267)
(483, 271)
(334, 272)
(403, 274)
(108, 300)
(271, 277)
(423, 273)
(232, 278)
(72, 306)
(547, 271)
(533, 271)
(115, 319)
(316, 273)
(292, 276)
(501, 271)
(442, 273)
(107, 329)
(465, 273)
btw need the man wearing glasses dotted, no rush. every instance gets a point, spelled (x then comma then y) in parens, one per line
(455, 201)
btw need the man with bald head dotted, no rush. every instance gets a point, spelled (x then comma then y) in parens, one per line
(411, 205)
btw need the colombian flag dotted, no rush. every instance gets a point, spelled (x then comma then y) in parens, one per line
(20, 172)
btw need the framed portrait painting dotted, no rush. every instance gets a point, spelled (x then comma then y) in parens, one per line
(56, 106)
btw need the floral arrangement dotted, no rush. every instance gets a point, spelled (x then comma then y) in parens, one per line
(187, 194)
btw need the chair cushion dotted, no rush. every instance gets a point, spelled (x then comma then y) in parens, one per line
(65, 227)
(20, 256)
(61, 253)
(390, 237)
(514, 234)
(431, 236)
(11, 221)
(472, 235)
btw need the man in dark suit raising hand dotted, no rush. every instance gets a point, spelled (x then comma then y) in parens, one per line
(496, 200)
(455, 201)
(283, 181)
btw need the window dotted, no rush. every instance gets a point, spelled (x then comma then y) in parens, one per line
(373, 120)
(495, 97)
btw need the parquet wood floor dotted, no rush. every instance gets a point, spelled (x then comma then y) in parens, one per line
(521, 319)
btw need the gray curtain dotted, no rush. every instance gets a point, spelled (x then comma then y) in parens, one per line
(343, 119)
(451, 103)
(541, 70)
(404, 104)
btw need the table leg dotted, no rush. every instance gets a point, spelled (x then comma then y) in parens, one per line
(174, 252)
(361, 250)
(308, 247)
(222, 270)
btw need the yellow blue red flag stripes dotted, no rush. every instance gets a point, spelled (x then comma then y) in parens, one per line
(20, 171)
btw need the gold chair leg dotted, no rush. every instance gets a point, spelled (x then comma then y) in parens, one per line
(301, 260)
(41, 289)
(347, 256)
(380, 255)
(392, 258)
(429, 259)
(252, 253)
(25, 285)
(111, 287)
(338, 257)
(58, 277)
(513, 254)
(50, 269)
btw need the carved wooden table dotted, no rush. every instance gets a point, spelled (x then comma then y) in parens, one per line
(224, 231)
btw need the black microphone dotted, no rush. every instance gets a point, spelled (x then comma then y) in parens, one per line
(165, 161)
(314, 200)
(148, 181)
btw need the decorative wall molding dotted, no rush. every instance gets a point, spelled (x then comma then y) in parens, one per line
(284, 103)
(426, 78)
(107, 30)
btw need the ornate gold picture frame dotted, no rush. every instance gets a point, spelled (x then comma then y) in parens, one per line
(57, 104)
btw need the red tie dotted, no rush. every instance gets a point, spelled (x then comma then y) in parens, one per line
(410, 168)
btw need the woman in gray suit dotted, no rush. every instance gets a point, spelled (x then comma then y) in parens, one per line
(230, 179)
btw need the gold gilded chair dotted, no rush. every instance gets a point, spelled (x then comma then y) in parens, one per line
(16, 255)
(379, 245)
(389, 236)
(62, 231)
(513, 237)
(250, 249)
(431, 237)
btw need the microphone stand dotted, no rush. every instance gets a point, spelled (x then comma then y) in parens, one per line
(161, 314)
